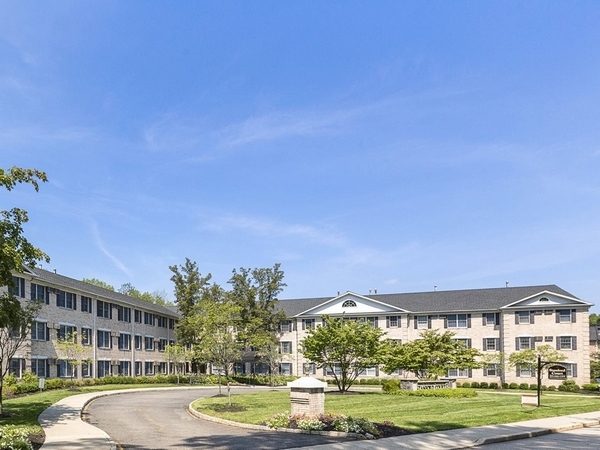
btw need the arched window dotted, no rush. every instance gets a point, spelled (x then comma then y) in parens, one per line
(349, 304)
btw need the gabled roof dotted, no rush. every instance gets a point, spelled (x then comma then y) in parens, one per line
(62, 282)
(468, 300)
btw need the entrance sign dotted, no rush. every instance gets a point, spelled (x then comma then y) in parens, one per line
(557, 372)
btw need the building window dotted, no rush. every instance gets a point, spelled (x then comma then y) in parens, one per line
(285, 368)
(458, 320)
(148, 318)
(566, 343)
(123, 314)
(66, 300)
(103, 369)
(40, 293)
(162, 345)
(39, 331)
(491, 370)
(524, 343)
(103, 339)
(491, 344)
(40, 367)
(86, 336)
(571, 369)
(16, 367)
(124, 368)
(329, 371)
(422, 322)
(308, 324)
(349, 304)
(103, 309)
(285, 347)
(565, 316)
(138, 316)
(138, 368)
(171, 324)
(458, 373)
(149, 343)
(490, 319)
(66, 333)
(86, 369)
(525, 371)
(464, 341)
(86, 304)
(393, 322)
(309, 369)
(162, 367)
(285, 326)
(370, 372)
(162, 321)
(124, 341)
(18, 288)
(523, 317)
(149, 367)
(138, 342)
(65, 369)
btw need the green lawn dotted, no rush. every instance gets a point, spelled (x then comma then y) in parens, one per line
(418, 414)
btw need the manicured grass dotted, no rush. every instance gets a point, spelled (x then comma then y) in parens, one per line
(418, 414)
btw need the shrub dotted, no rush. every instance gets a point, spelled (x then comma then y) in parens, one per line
(475, 385)
(390, 386)
(10, 380)
(309, 423)
(524, 386)
(493, 385)
(505, 385)
(483, 385)
(544, 387)
(24, 388)
(568, 386)
(445, 392)
(552, 388)
(280, 420)
(533, 387)
(590, 387)
(14, 438)
(458, 384)
(513, 386)
(54, 383)
(466, 384)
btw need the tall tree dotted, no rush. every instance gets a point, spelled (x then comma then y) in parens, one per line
(528, 358)
(15, 253)
(432, 355)
(99, 283)
(177, 355)
(69, 349)
(345, 347)
(156, 297)
(255, 291)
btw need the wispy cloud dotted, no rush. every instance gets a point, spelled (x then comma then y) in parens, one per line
(33, 134)
(100, 244)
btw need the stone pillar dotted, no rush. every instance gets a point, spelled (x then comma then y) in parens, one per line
(409, 384)
(307, 396)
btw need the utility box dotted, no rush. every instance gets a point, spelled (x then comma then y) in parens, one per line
(307, 396)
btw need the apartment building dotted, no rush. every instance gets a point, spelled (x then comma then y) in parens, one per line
(491, 320)
(125, 336)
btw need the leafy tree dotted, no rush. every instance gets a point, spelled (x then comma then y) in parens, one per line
(594, 319)
(255, 292)
(270, 353)
(528, 358)
(345, 347)
(70, 350)
(15, 253)
(99, 283)
(156, 297)
(432, 355)
(595, 366)
(497, 359)
(177, 355)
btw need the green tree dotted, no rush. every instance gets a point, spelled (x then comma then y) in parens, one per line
(595, 366)
(16, 252)
(594, 319)
(431, 356)
(99, 283)
(528, 358)
(255, 292)
(177, 355)
(269, 352)
(497, 360)
(345, 347)
(74, 353)
(156, 297)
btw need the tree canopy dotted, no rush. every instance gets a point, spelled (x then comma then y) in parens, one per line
(345, 347)
(431, 355)
(99, 283)
(528, 358)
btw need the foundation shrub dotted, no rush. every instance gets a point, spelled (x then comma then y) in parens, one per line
(513, 386)
(475, 385)
(590, 387)
(458, 384)
(54, 383)
(533, 387)
(493, 385)
(466, 384)
(552, 388)
(390, 386)
(524, 386)
(568, 386)
(14, 438)
(483, 385)
(505, 385)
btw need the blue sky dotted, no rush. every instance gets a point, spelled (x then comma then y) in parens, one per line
(362, 145)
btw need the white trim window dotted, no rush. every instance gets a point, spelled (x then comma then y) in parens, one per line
(39, 367)
(86, 304)
(491, 344)
(149, 343)
(285, 347)
(491, 370)
(149, 367)
(138, 342)
(285, 368)
(103, 339)
(393, 322)
(39, 331)
(308, 324)
(124, 341)
(566, 342)
(329, 371)
(66, 370)
(103, 369)
(523, 318)
(66, 332)
(458, 373)
(86, 336)
(422, 322)
(565, 316)
(458, 320)
(525, 371)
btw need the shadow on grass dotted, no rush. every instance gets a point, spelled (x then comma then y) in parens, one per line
(226, 408)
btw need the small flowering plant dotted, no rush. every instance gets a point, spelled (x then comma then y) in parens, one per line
(325, 422)
(14, 438)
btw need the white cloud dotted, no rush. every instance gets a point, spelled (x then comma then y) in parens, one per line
(102, 247)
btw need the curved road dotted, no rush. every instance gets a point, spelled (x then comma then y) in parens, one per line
(159, 420)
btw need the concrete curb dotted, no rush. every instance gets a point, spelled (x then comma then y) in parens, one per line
(250, 426)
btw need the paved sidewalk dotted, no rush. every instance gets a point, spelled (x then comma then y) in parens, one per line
(66, 431)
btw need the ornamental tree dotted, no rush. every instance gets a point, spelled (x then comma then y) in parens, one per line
(345, 347)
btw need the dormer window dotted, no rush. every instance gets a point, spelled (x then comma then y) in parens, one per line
(349, 304)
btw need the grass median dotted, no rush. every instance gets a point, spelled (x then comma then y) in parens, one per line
(414, 414)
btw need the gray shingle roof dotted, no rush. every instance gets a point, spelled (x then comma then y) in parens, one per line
(439, 301)
(62, 282)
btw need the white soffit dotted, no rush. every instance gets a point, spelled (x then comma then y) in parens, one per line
(364, 305)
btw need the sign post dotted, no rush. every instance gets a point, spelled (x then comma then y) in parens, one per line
(555, 372)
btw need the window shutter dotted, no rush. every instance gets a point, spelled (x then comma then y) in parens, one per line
(469, 343)
(484, 345)
(22, 294)
(516, 317)
(517, 343)
(497, 316)
(573, 315)
(376, 322)
(74, 302)
(483, 320)
(399, 321)
(557, 317)
(294, 324)
(557, 342)
(531, 317)
(468, 320)
(574, 370)
(574, 343)
(47, 333)
(485, 371)
(415, 319)
(531, 342)
(387, 321)
(428, 321)
(498, 344)
(518, 369)
(377, 371)
(470, 373)
(445, 321)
